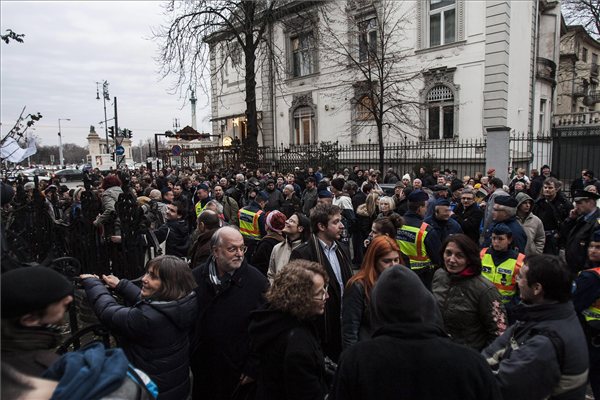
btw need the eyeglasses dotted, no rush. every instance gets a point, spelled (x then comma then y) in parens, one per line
(291, 221)
(322, 296)
(233, 250)
(466, 198)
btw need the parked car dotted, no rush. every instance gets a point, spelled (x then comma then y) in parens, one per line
(388, 188)
(28, 174)
(69, 175)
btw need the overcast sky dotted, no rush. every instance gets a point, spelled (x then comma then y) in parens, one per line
(71, 45)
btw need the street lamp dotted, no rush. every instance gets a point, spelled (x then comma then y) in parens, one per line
(60, 149)
(105, 96)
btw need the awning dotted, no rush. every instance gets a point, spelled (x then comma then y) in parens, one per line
(232, 116)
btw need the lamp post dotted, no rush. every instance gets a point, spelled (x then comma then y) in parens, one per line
(60, 149)
(105, 96)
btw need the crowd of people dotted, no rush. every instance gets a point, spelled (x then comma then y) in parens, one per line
(353, 285)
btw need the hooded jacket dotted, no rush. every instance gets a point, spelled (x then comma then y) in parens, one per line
(533, 227)
(410, 356)
(292, 364)
(153, 334)
(546, 346)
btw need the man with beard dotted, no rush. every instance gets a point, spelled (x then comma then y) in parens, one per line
(552, 208)
(323, 247)
(230, 206)
(229, 289)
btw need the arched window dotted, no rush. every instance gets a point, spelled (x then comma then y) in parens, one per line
(440, 113)
(304, 125)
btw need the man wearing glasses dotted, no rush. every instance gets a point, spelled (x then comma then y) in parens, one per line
(229, 289)
(469, 215)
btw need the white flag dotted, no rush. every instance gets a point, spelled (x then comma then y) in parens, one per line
(12, 152)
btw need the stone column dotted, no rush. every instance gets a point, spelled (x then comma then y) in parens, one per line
(497, 151)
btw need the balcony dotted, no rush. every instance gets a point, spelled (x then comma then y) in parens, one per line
(580, 90)
(577, 119)
(546, 70)
(593, 97)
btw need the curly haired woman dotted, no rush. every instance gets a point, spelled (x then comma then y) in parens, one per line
(292, 364)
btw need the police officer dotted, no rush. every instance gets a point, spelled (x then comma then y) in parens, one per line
(418, 242)
(252, 222)
(586, 300)
(203, 194)
(501, 264)
(577, 229)
(504, 211)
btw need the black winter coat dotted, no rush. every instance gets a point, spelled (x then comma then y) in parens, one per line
(470, 220)
(292, 365)
(264, 248)
(153, 334)
(577, 234)
(177, 236)
(330, 329)
(409, 361)
(221, 344)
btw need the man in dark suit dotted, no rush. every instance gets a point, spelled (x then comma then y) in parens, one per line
(323, 247)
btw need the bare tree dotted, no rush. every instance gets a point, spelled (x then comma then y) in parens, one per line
(194, 26)
(380, 77)
(583, 12)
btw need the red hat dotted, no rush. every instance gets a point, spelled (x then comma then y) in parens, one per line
(491, 171)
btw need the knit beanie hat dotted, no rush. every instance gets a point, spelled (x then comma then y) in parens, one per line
(29, 289)
(276, 221)
(406, 176)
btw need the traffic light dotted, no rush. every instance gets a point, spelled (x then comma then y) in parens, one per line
(111, 132)
(112, 156)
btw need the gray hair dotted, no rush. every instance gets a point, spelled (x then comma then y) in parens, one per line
(389, 200)
(553, 181)
(215, 240)
(217, 205)
(240, 178)
(289, 187)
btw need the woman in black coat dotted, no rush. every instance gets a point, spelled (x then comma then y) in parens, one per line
(292, 364)
(153, 326)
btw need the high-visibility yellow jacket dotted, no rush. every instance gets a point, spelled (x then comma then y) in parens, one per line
(592, 313)
(503, 276)
(411, 241)
(249, 227)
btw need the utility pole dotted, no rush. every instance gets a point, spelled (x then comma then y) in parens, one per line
(116, 134)
(105, 96)
(60, 148)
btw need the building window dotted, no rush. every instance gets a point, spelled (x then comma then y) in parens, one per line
(542, 122)
(304, 125)
(367, 41)
(236, 55)
(440, 113)
(364, 108)
(442, 22)
(584, 54)
(303, 48)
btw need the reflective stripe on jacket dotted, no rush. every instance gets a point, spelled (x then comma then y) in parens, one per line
(503, 276)
(249, 223)
(592, 313)
(411, 241)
